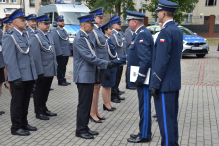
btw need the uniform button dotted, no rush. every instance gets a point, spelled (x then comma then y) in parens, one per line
(157, 84)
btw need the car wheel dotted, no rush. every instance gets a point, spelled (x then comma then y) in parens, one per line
(200, 55)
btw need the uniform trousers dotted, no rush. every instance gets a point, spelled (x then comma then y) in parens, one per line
(144, 99)
(167, 111)
(41, 94)
(61, 68)
(19, 105)
(115, 89)
(85, 97)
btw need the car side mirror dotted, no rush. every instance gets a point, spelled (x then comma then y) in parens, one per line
(54, 24)
(195, 33)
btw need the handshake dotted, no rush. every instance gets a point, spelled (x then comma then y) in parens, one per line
(111, 65)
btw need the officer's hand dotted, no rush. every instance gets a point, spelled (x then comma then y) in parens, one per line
(18, 83)
(154, 93)
(41, 77)
(107, 76)
(59, 57)
(111, 65)
(138, 83)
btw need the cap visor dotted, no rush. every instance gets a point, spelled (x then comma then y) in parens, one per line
(101, 15)
(94, 22)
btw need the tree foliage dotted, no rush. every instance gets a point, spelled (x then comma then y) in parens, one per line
(180, 14)
(112, 6)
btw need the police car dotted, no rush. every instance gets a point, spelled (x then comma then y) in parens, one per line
(71, 11)
(192, 43)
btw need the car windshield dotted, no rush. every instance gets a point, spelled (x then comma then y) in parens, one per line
(186, 31)
(71, 17)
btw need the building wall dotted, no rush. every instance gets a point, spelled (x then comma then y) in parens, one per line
(29, 9)
(7, 8)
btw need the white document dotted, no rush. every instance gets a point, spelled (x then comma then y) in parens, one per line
(134, 74)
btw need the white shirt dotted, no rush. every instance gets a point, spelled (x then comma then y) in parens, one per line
(138, 29)
(107, 37)
(84, 32)
(155, 36)
(167, 22)
(18, 31)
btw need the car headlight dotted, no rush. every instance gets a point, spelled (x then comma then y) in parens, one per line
(71, 35)
(206, 41)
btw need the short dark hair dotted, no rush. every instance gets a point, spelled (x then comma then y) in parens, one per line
(170, 14)
(141, 21)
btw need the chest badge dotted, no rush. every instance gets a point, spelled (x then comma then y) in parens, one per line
(141, 41)
(162, 40)
(132, 42)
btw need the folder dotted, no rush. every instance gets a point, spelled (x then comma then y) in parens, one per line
(134, 70)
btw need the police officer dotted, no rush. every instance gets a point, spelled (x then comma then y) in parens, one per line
(31, 20)
(85, 74)
(62, 47)
(166, 73)
(3, 22)
(140, 54)
(99, 40)
(21, 72)
(128, 38)
(41, 42)
(119, 40)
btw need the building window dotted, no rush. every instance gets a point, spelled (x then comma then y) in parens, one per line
(32, 2)
(12, 1)
(142, 11)
(211, 3)
(2, 1)
(45, 2)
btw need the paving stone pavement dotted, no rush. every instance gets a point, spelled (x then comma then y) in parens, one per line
(198, 112)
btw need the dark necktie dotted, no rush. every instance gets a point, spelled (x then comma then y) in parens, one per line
(134, 35)
(47, 37)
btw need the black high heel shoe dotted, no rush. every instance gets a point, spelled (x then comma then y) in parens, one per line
(101, 118)
(105, 108)
(5, 86)
(113, 108)
(95, 120)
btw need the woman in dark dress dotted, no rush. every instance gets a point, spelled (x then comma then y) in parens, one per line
(109, 79)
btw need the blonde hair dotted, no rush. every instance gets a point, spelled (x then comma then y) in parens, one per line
(5, 29)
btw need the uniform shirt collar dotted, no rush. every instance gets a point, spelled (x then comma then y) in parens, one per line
(18, 31)
(42, 32)
(96, 26)
(61, 28)
(116, 31)
(107, 37)
(166, 22)
(138, 29)
(84, 32)
(32, 29)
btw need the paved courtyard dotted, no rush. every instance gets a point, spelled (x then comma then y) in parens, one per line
(198, 112)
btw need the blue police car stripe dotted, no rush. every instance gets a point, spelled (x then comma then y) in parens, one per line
(164, 118)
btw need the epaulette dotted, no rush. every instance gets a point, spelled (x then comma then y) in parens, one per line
(10, 32)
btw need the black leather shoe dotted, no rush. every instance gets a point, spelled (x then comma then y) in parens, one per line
(68, 83)
(21, 132)
(99, 121)
(2, 112)
(50, 114)
(133, 135)
(62, 84)
(92, 132)
(105, 108)
(115, 100)
(138, 140)
(85, 136)
(30, 128)
(131, 88)
(154, 116)
(121, 92)
(51, 89)
(120, 98)
(101, 118)
(42, 117)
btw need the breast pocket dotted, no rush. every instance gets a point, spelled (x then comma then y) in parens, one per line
(22, 45)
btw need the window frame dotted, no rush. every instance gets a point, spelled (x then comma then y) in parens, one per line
(214, 3)
(31, 4)
(3, 2)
